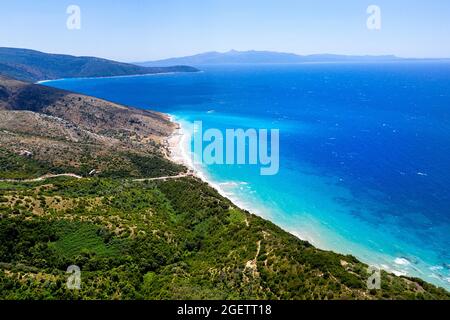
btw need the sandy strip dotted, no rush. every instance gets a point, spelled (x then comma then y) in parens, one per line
(179, 145)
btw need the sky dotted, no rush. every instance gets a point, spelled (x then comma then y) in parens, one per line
(142, 30)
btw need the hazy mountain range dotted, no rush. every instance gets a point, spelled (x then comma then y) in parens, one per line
(262, 57)
(31, 65)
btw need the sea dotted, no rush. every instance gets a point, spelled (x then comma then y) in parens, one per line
(364, 150)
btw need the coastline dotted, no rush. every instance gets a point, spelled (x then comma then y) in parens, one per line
(179, 151)
(178, 146)
(112, 77)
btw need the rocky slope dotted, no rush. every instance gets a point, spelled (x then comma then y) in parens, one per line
(74, 132)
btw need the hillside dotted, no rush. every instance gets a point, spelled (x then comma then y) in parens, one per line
(72, 132)
(262, 57)
(30, 65)
(138, 238)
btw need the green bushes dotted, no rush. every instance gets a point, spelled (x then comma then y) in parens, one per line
(133, 165)
(13, 166)
(165, 239)
(81, 238)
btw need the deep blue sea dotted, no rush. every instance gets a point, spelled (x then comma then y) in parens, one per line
(364, 150)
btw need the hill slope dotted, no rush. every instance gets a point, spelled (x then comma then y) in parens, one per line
(76, 133)
(262, 57)
(30, 65)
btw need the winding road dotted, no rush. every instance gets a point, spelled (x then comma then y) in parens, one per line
(72, 175)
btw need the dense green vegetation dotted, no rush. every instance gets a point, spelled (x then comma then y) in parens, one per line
(118, 165)
(131, 165)
(14, 166)
(165, 240)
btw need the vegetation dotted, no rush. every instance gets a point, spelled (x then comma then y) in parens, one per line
(119, 165)
(16, 167)
(174, 239)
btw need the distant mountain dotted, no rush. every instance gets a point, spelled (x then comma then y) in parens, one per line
(30, 65)
(261, 57)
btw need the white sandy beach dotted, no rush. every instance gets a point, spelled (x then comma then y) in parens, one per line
(179, 144)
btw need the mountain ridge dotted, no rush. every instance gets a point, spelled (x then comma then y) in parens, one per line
(32, 65)
(264, 57)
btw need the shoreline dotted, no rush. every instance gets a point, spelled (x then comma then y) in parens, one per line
(113, 77)
(179, 151)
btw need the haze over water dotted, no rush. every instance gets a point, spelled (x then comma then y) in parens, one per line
(364, 150)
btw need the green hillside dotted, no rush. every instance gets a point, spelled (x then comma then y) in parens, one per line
(30, 65)
(177, 239)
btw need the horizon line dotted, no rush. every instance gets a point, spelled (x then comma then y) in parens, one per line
(232, 50)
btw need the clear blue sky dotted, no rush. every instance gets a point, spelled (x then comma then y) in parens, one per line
(138, 30)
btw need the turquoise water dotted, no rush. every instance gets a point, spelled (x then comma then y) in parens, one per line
(364, 150)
